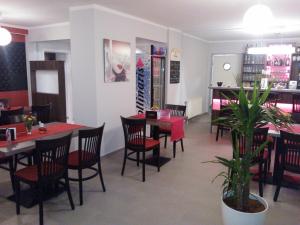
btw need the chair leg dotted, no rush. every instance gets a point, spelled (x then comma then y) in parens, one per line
(260, 181)
(17, 195)
(174, 149)
(181, 141)
(217, 135)
(80, 186)
(124, 161)
(144, 159)
(40, 198)
(265, 171)
(222, 131)
(101, 176)
(12, 172)
(279, 180)
(138, 159)
(29, 160)
(166, 138)
(158, 158)
(67, 186)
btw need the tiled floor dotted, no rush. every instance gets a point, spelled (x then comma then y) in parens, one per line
(181, 194)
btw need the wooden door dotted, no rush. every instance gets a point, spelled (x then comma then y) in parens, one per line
(48, 87)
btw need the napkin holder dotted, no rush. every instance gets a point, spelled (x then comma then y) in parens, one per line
(152, 115)
(12, 131)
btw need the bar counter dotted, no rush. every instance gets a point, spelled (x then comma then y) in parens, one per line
(285, 99)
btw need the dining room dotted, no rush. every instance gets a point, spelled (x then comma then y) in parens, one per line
(149, 113)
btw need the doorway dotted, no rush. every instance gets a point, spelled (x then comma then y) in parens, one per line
(48, 87)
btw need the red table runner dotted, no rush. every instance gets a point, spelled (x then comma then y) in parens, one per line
(176, 125)
(52, 129)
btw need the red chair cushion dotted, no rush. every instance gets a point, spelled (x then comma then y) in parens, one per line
(149, 143)
(30, 173)
(74, 158)
(164, 130)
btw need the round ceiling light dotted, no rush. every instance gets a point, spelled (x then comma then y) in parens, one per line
(5, 36)
(258, 19)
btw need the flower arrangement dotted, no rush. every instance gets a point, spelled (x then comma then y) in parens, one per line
(29, 120)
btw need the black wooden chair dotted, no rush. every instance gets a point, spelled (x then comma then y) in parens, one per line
(175, 110)
(289, 157)
(260, 136)
(42, 112)
(136, 141)
(87, 155)
(272, 99)
(224, 110)
(51, 157)
(296, 108)
(6, 114)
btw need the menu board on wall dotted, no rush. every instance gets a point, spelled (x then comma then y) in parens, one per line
(174, 72)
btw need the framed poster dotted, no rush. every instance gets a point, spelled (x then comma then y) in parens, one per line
(116, 61)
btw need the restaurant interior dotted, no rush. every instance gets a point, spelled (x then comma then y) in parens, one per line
(208, 131)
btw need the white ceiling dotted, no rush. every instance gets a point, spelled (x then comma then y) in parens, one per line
(212, 20)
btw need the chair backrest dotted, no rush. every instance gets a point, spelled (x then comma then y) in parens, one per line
(290, 151)
(272, 99)
(42, 112)
(15, 119)
(176, 110)
(260, 136)
(51, 157)
(134, 133)
(5, 114)
(89, 145)
(296, 103)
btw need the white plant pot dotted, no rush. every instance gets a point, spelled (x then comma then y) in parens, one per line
(234, 217)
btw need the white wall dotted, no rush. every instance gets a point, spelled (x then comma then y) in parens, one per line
(195, 70)
(60, 31)
(94, 101)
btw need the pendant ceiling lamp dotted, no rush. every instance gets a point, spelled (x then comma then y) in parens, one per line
(258, 19)
(5, 36)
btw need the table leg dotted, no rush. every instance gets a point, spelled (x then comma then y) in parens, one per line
(153, 159)
(276, 162)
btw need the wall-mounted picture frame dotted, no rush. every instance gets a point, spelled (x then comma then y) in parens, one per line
(116, 61)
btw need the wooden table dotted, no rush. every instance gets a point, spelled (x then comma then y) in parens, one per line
(166, 122)
(26, 142)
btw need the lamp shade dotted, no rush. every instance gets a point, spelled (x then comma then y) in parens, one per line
(258, 19)
(5, 36)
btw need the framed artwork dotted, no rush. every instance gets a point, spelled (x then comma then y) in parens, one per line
(116, 61)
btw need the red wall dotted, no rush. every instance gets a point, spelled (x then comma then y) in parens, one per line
(16, 98)
(20, 97)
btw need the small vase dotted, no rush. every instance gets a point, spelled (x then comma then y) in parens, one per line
(28, 129)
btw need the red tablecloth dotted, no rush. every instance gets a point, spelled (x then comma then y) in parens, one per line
(176, 125)
(52, 129)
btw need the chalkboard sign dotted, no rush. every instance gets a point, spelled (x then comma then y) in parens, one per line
(175, 72)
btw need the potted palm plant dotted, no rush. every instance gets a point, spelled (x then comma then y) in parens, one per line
(239, 206)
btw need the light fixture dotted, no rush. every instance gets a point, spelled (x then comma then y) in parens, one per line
(258, 19)
(272, 50)
(5, 36)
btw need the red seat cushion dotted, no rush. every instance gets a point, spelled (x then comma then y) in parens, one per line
(30, 173)
(149, 143)
(74, 158)
(164, 130)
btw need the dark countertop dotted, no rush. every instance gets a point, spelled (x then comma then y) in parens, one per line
(250, 88)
